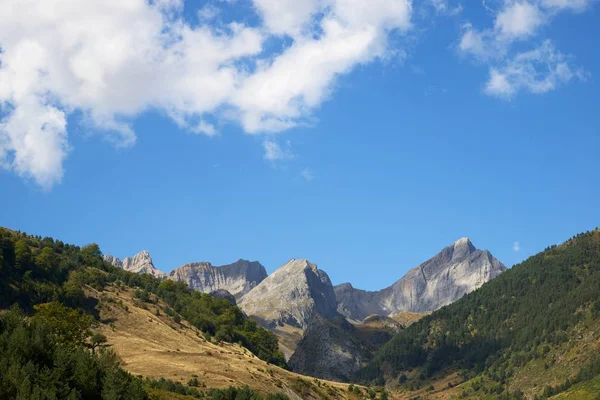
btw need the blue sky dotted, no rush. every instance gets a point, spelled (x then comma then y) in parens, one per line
(367, 156)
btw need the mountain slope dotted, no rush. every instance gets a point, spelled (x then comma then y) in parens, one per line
(237, 278)
(287, 299)
(458, 269)
(335, 349)
(153, 344)
(542, 309)
(290, 295)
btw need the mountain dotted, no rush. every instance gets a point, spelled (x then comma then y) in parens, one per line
(458, 269)
(329, 349)
(530, 333)
(287, 299)
(336, 349)
(141, 263)
(237, 278)
(291, 294)
(56, 300)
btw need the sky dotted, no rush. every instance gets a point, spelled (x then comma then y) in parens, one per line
(363, 135)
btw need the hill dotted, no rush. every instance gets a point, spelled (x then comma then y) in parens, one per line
(520, 335)
(153, 344)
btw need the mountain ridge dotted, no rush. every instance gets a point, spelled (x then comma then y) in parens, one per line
(456, 270)
(236, 278)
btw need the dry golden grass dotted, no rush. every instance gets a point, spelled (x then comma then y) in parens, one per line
(151, 344)
(155, 346)
(407, 318)
(289, 337)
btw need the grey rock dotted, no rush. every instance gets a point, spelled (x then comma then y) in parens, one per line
(330, 349)
(113, 260)
(237, 278)
(458, 269)
(291, 295)
(223, 294)
(141, 263)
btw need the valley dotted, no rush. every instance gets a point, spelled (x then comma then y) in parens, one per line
(530, 332)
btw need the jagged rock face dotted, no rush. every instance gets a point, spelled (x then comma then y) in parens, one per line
(141, 263)
(291, 295)
(113, 260)
(330, 349)
(223, 294)
(237, 278)
(458, 269)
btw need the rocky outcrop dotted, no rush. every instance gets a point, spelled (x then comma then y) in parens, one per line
(458, 269)
(237, 278)
(335, 349)
(113, 260)
(330, 349)
(223, 294)
(141, 263)
(291, 295)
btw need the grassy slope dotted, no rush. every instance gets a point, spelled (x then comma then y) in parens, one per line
(584, 391)
(156, 346)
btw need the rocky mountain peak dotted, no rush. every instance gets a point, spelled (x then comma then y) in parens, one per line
(458, 269)
(462, 248)
(140, 263)
(113, 260)
(237, 278)
(143, 257)
(291, 295)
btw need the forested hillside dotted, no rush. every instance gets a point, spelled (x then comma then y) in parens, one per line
(517, 317)
(47, 349)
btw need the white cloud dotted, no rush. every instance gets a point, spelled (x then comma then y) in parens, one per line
(114, 59)
(208, 13)
(274, 152)
(287, 17)
(307, 174)
(443, 8)
(280, 94)
(479, 44)
(536, 71)
(206, 128)
(575, 5)
(519, 19)
(516, 246)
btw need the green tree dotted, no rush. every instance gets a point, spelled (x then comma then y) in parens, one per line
(97, 340)
(46, 259)
(67, 324)
(119, 385)
(22, 255)
(92, 255)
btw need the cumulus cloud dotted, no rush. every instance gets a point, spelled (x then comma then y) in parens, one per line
(536, 71)
(114, 59)
(518, 20)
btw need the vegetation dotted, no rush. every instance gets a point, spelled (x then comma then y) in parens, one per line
(230, 393)
(42, 360)
(36, 270)
(509, 321)
(47, 347)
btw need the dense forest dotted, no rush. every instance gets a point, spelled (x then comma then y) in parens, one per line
(47, 349)
(509, 321)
